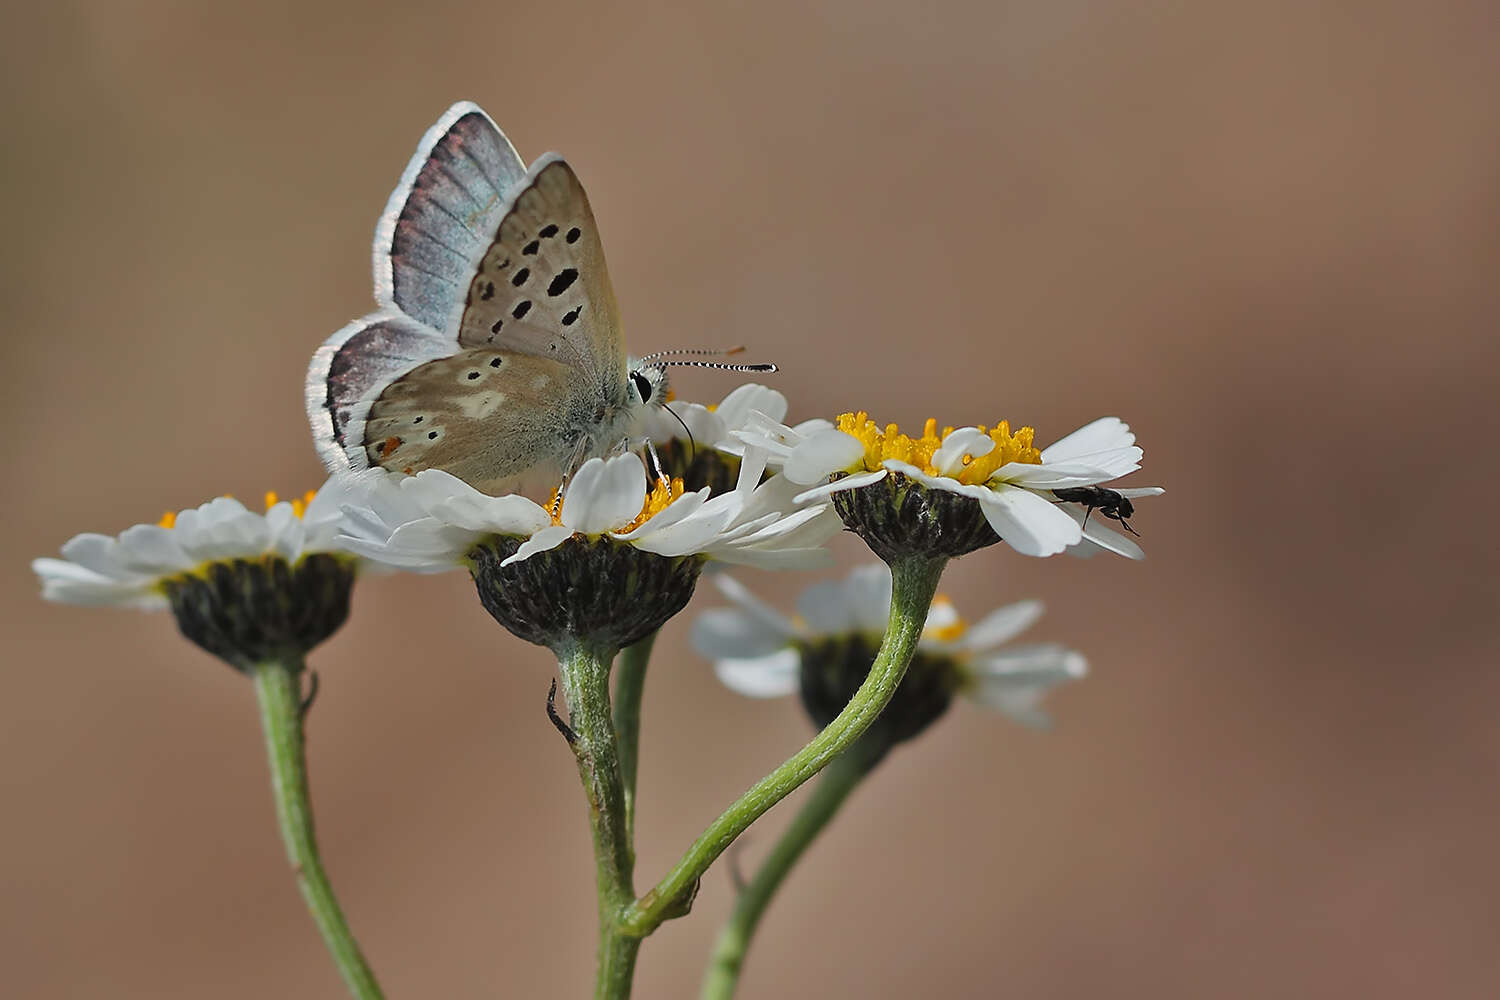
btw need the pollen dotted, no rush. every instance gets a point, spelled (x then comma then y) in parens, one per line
(299, 504)
(657, 500)
(167, 520)
(888, 442)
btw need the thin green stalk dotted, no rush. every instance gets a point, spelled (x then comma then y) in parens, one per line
(630, 683)
(585, 675)
(278, 687)
(833, 786)
(914, 582)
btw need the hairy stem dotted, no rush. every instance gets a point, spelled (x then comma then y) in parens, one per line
(585, 675)
(914, 582)
(278, 687)
(833, 786)
(630, 683)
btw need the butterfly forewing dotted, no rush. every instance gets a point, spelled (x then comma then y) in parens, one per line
(542, 287)
(443, 215)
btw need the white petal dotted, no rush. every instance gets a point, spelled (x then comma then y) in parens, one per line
(774, 558)
(1106, 538)
(1031, 525)
(962, 443)
(547, 538)
(721, 633)
(704, 425)
(1141, 491)
(1103, 434)
(853, 482)
(825, 608)
(762, 677)
(149, 548)
(1047, 477)
(869, 590)
(100, 553)
(1041, 665)
(821, 455)
(605, 495)
(1002, 625)
(765, 616)
(690, 535)
(736, 407)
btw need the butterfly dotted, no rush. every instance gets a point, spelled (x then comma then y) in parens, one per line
(497, 349)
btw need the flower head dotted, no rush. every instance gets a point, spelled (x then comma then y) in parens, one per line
(697, 444)
(620, 558)
(952, 492)
(826, 650)
(245, 586)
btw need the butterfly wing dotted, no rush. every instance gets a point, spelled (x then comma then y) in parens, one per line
(443, 215)
(350, 371)
(542, 287)
(500, 275)
(485, 416)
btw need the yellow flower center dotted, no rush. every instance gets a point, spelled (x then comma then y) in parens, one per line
(881, 444)
(660, 495)
(954, 630)
(167, 520)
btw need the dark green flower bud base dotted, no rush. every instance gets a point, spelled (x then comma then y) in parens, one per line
(834, 667)
(606, 593)
(250, 611)
(898, 517)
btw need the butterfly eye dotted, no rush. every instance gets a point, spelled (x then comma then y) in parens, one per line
(642, 386)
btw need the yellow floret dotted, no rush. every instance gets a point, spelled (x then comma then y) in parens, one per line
(891, 443)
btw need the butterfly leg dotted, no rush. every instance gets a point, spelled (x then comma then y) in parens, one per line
(580, 455)
(656, 468)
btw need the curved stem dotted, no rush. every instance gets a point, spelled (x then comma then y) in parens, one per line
(278, 687)
(630, 683)
(914, 582)
(585, 675)
(833, 786)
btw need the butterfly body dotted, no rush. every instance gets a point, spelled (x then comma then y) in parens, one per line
(497, 350)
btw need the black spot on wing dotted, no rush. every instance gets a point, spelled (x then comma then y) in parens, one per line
(519, 278)
(571, 316)
(561, 283)
(489, 291)
(495, 326)
(573, 235)
(548, 231)
(522, 308)
(531, 248)
(473, 376)
(495, 362)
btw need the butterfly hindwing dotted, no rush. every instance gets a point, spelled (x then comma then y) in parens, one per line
(542, 287)
(485, 416)
(351, 369)
(443, 215)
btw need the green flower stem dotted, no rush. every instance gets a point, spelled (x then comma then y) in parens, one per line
(278, 687)
(833, 786)
(914, 582)
(630, 682)
(585, 676)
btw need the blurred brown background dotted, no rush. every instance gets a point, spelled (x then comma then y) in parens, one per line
(1265, 234)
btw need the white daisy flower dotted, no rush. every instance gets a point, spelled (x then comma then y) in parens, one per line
(1015, 484)
(759, 652)
(249, 588)
(129, 569)
(431, 521)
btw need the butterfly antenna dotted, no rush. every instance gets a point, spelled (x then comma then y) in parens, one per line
(726, 352)
(715, 365)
